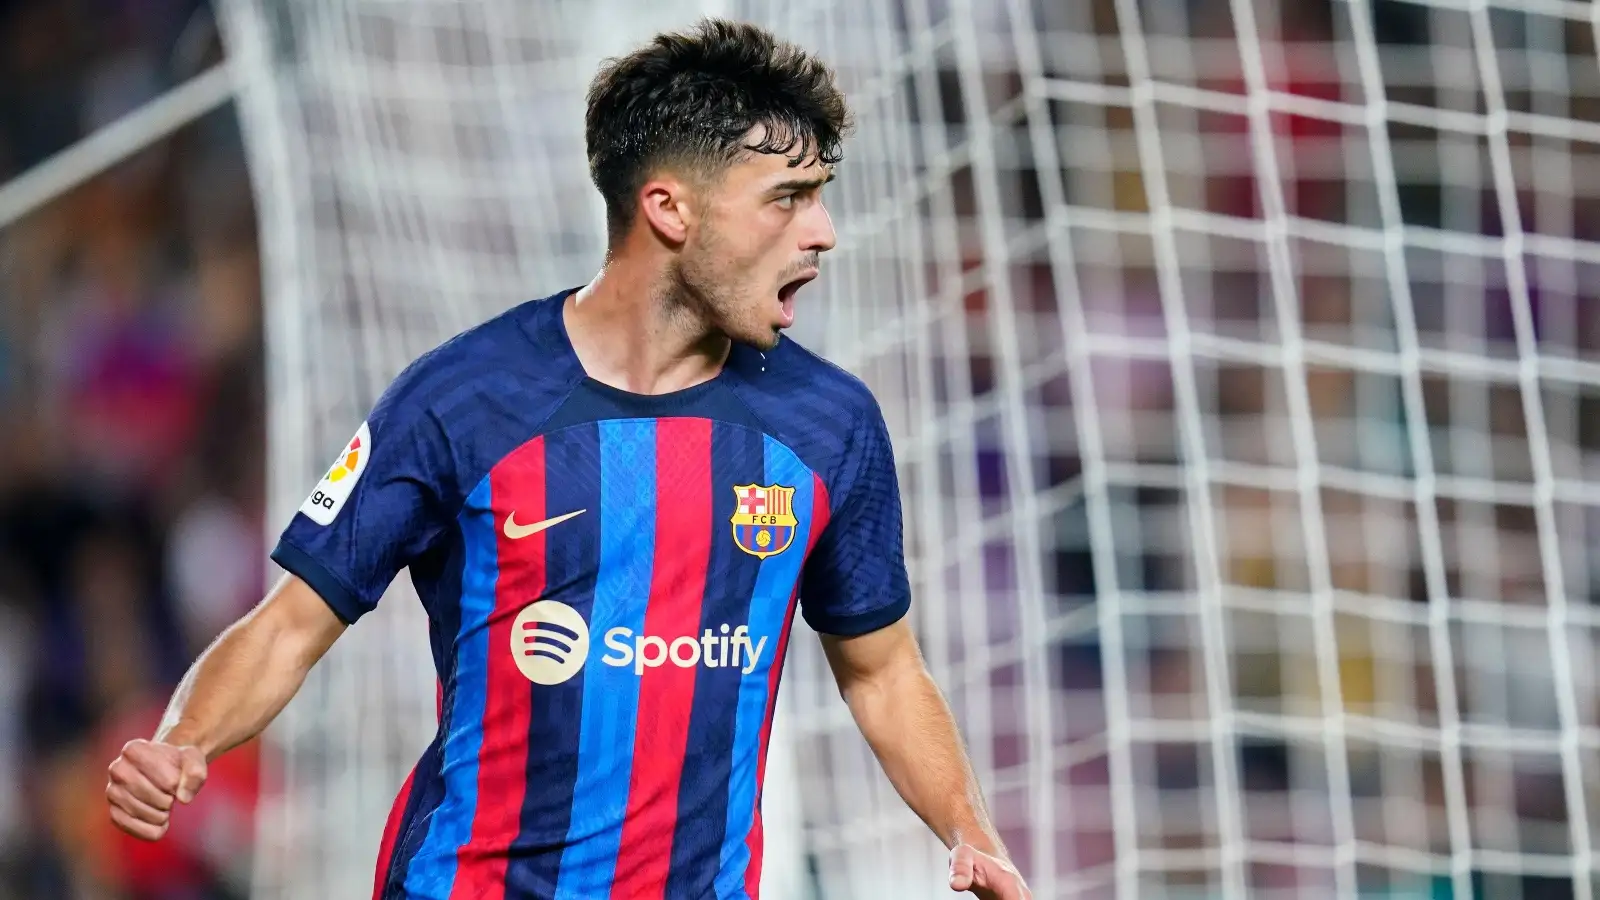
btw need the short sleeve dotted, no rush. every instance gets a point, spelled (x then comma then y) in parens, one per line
(855, 579)
(380, 505)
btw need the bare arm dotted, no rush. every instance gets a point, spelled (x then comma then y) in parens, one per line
(236, 687)
(246, 677)
(905, 719)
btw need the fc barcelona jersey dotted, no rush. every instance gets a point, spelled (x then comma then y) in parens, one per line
(610, 580)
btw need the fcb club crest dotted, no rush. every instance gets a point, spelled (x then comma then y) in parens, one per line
(763, 519)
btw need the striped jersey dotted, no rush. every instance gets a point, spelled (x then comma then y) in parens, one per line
(609, 580)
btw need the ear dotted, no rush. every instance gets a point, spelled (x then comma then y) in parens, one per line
(669, 205)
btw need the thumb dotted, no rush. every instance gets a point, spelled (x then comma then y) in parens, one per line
(962, 867)
(191, 773)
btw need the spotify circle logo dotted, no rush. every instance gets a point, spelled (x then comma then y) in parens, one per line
(549, 641)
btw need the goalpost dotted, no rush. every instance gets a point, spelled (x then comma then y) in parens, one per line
(1243, 364)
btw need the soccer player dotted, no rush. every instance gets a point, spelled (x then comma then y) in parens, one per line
(612, 502)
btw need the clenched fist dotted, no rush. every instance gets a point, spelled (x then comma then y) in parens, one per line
(990, 877)
(145, 781)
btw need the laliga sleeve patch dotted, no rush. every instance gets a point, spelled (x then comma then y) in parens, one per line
(340, 482)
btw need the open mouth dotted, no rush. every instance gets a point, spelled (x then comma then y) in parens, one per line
(786, 296)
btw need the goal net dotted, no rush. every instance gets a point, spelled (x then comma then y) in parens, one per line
(1241, 363)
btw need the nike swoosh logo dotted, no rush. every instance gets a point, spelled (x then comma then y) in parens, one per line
(518, 532)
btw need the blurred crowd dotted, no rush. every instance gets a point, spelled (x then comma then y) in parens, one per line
(131, 467)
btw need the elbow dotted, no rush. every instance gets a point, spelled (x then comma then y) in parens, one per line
(276, 641)
(296, 624)
(891, 683)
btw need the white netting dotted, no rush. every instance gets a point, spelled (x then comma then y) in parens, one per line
(1240, 358)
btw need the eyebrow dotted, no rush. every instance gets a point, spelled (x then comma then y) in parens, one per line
(802, 184)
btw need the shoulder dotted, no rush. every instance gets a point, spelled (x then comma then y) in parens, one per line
(498, 358)
(812, 405)
(797, 377)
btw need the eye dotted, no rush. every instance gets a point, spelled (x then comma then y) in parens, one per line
(785, 202)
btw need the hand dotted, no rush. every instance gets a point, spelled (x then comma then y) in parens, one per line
(146, 779)
(989, 877)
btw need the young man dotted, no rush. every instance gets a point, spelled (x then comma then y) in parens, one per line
(611, 502)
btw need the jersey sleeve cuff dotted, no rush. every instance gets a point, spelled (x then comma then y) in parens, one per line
(343, 601)
(857, 623)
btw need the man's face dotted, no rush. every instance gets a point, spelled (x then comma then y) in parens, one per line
(759, 240)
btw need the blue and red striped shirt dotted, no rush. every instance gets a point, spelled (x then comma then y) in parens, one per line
(610, 580)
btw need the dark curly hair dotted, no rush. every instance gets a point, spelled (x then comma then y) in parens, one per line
(691, 98)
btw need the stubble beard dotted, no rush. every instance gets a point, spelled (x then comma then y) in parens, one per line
(703, 292)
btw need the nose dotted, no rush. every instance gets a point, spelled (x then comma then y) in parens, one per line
(819, 236)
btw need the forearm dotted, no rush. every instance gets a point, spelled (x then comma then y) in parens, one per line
(910, 728)
(246, 677)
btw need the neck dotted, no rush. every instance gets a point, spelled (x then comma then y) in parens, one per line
(630, 332)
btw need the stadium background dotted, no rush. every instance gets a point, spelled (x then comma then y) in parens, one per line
(1325, 449)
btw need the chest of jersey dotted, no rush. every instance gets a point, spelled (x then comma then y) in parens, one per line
(627, 588)
(610, 549)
